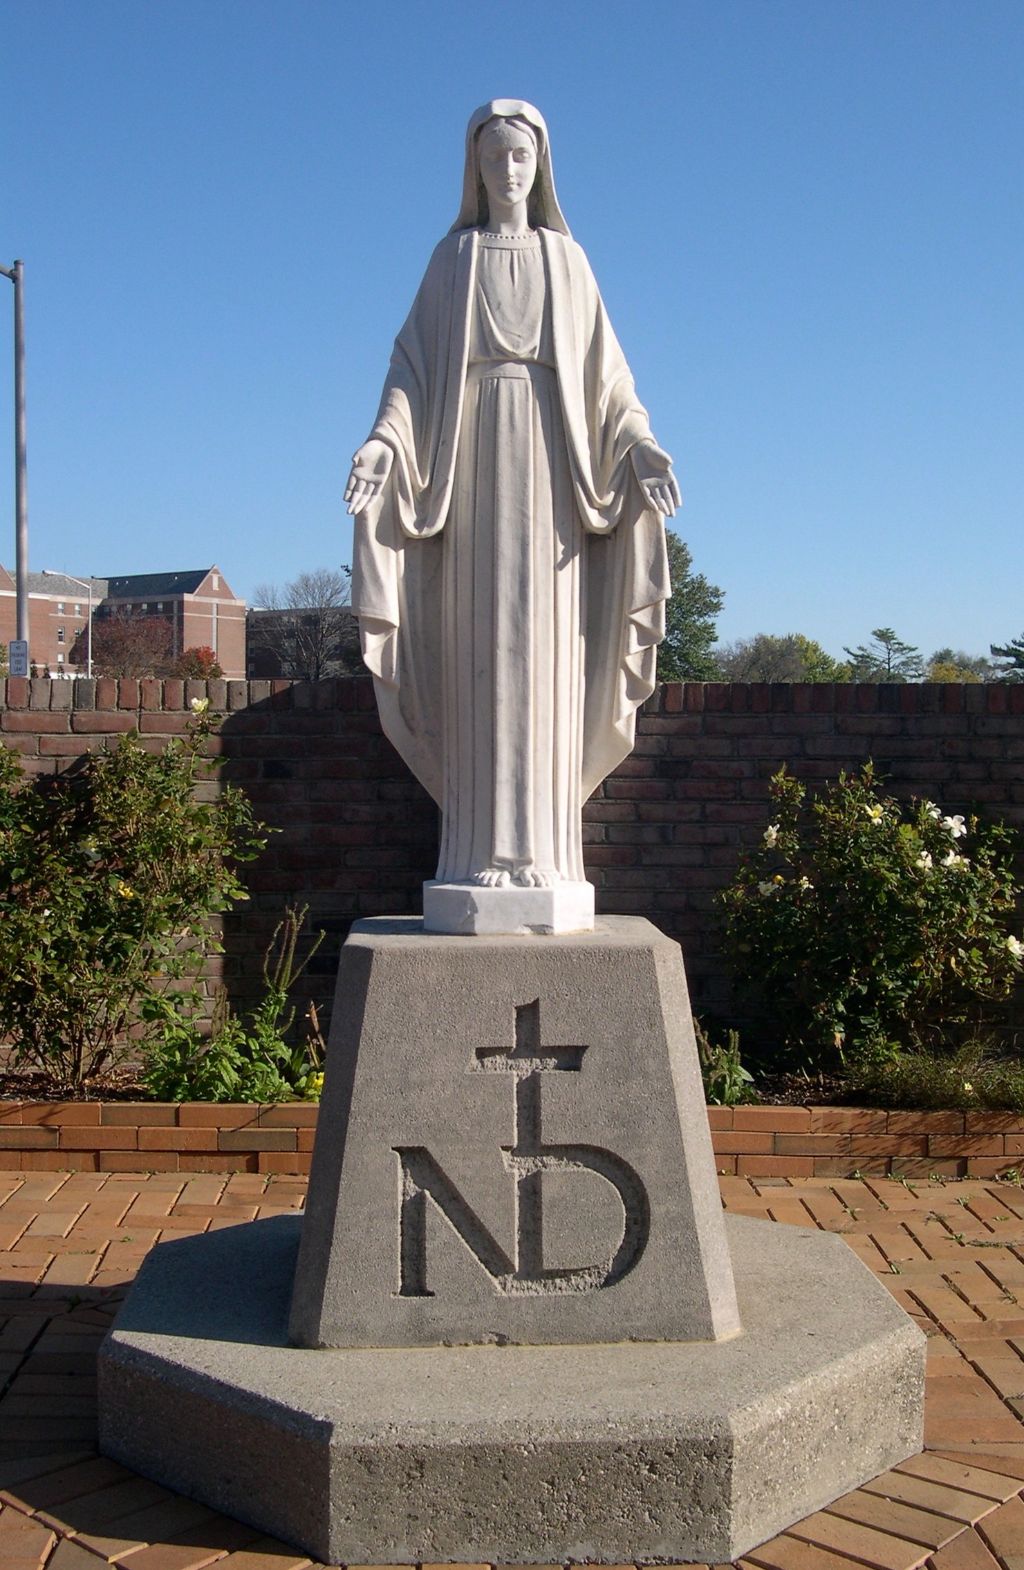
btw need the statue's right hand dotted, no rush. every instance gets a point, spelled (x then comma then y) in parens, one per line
(370, 469)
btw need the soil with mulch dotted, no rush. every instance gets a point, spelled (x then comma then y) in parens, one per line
(119, 1084)
(801, 1090)
(124, 1084)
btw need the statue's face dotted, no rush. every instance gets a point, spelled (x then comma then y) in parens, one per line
(508, 165)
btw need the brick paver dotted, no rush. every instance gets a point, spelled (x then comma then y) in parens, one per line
(951, 1252)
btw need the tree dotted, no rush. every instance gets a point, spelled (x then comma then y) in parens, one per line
(129, 644)
(819, 665)
(690, 615)
(791, 657)
(889, 660)
(198, 664)
(307, 627)
(1013, 654)
(957, 665)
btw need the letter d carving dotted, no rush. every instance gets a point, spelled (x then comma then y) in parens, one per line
(526, 1161)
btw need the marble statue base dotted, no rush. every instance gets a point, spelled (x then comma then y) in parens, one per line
(467, 910)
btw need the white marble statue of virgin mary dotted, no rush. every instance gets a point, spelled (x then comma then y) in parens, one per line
(510, 567)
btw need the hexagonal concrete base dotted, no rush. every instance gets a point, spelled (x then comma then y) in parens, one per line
(614, 1453)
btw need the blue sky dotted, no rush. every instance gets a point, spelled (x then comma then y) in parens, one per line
(805, 217)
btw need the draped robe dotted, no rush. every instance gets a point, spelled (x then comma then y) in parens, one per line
(510, 698)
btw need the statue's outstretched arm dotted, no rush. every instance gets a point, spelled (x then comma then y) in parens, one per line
(653, 469)
(370, 469)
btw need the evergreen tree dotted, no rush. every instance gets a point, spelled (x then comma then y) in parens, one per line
(1013, 654)
(890, 659)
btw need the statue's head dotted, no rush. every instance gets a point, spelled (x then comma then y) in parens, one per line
(506, 154)
(504, 127)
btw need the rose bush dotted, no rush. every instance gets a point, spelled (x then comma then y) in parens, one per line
(869, 929)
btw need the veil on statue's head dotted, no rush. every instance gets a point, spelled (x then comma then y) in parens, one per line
(543, 209)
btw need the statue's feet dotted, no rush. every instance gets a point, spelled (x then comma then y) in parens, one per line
(492, 878)
(535, 878)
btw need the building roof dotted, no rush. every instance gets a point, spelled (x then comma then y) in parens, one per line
(58, 583)
(139, 585)
(129, 586)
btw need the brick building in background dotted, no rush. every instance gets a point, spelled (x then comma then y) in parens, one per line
(201, 609)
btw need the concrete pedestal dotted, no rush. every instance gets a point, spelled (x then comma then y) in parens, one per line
(516, 1327)
(512, 1455)
(512, 1147)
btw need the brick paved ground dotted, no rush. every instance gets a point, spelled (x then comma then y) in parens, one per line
(952, 1253)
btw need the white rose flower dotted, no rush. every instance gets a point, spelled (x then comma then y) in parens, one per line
(924, 861)
(199, 705)
(876, 812)
(765, 889)
(951, 859)
(955, 825)
(1015, 946)
(771, 835)
(932, 810)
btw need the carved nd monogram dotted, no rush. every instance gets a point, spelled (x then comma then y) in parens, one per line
(423, 1181)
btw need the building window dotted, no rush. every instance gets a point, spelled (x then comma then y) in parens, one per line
(216, 581)
(159, 605)
(78, 610)
(60, 634)
(60, 607)
(145, 605)
(60, 659)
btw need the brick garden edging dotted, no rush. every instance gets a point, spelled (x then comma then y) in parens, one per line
(843, 1141)
(156, 1136)
(760, 1141)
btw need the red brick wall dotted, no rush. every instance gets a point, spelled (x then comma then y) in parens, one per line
(358, 835)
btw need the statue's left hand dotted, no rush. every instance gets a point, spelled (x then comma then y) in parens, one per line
(369, 474)
(653, 469)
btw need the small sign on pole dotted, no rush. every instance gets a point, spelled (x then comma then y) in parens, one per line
(17, 656)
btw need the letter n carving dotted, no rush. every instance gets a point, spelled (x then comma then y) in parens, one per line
(423, 1177)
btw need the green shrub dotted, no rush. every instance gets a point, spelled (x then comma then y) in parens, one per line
(110, 875)
(726, 1082)
(240, 1058)
(868, 929)
(972, 1079)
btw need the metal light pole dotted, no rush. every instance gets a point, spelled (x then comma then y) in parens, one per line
(17, 276)
(51, 572)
